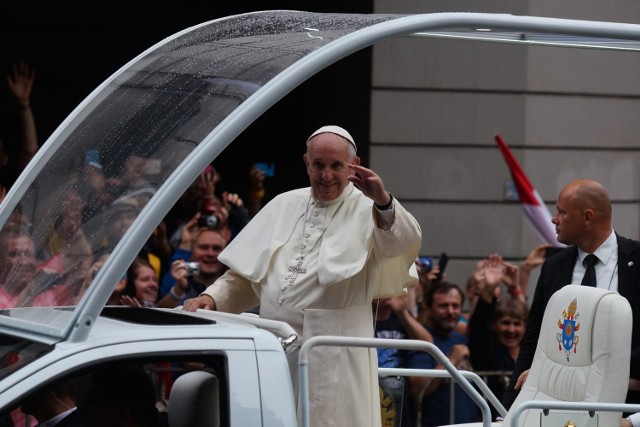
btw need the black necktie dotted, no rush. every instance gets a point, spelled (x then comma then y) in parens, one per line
(589, 278)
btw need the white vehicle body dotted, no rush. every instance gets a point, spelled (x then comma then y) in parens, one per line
(182, 102)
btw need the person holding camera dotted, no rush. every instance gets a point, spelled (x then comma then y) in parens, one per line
(194, 264)
(317, 257)
(226, 213)
(428, 273)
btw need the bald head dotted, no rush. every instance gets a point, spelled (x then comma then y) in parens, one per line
(583, 216)
(589, 194)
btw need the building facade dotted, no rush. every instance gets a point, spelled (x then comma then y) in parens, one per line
(436, 105)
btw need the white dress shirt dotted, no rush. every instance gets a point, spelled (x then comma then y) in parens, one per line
(606, 267)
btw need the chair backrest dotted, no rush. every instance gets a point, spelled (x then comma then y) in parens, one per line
(195, 401)
(583, 353)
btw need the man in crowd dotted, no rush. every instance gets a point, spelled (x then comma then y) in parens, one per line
(443, 303)
(394, 319)
(194, 264)
(316, 258)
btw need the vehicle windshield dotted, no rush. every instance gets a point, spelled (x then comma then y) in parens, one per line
(66, 215)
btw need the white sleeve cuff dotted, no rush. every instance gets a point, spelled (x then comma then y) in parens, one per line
(386, 217)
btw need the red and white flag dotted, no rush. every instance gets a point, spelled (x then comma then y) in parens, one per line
(531, 202)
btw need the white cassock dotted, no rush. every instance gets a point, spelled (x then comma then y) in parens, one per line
(347, 261)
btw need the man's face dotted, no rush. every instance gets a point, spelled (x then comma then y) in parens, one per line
(327, 158)
(445, 312)
(206, 249)
(569, 220)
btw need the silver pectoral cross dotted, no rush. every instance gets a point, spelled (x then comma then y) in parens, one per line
(296, 269)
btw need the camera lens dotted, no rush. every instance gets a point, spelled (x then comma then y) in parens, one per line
(209, 221)
(193, 268)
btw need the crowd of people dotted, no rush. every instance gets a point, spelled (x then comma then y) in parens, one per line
(61, 267)
(55, 267)
(479, 328)
(501, 327)
(339, 257)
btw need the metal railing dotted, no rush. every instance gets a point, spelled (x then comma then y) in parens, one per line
(479, 378)
(460, 377)
(303, 364)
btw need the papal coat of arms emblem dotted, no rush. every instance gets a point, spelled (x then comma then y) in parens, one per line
(569, 324)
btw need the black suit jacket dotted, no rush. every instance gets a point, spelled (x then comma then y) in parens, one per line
(556, 272)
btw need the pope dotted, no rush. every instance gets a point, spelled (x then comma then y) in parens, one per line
(315, 258)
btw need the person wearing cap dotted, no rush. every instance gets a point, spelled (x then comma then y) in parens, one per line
(317, 257)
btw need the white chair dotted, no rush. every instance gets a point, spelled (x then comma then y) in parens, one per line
(195, 401)
(583, 355)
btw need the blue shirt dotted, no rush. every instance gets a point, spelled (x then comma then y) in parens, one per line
(435, 406)
(168, 281)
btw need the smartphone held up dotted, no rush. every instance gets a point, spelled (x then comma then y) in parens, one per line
(426, 264)
(269, 169)
(442, 266)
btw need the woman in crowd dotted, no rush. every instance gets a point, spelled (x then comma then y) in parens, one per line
(141, 289)
(496, 327)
